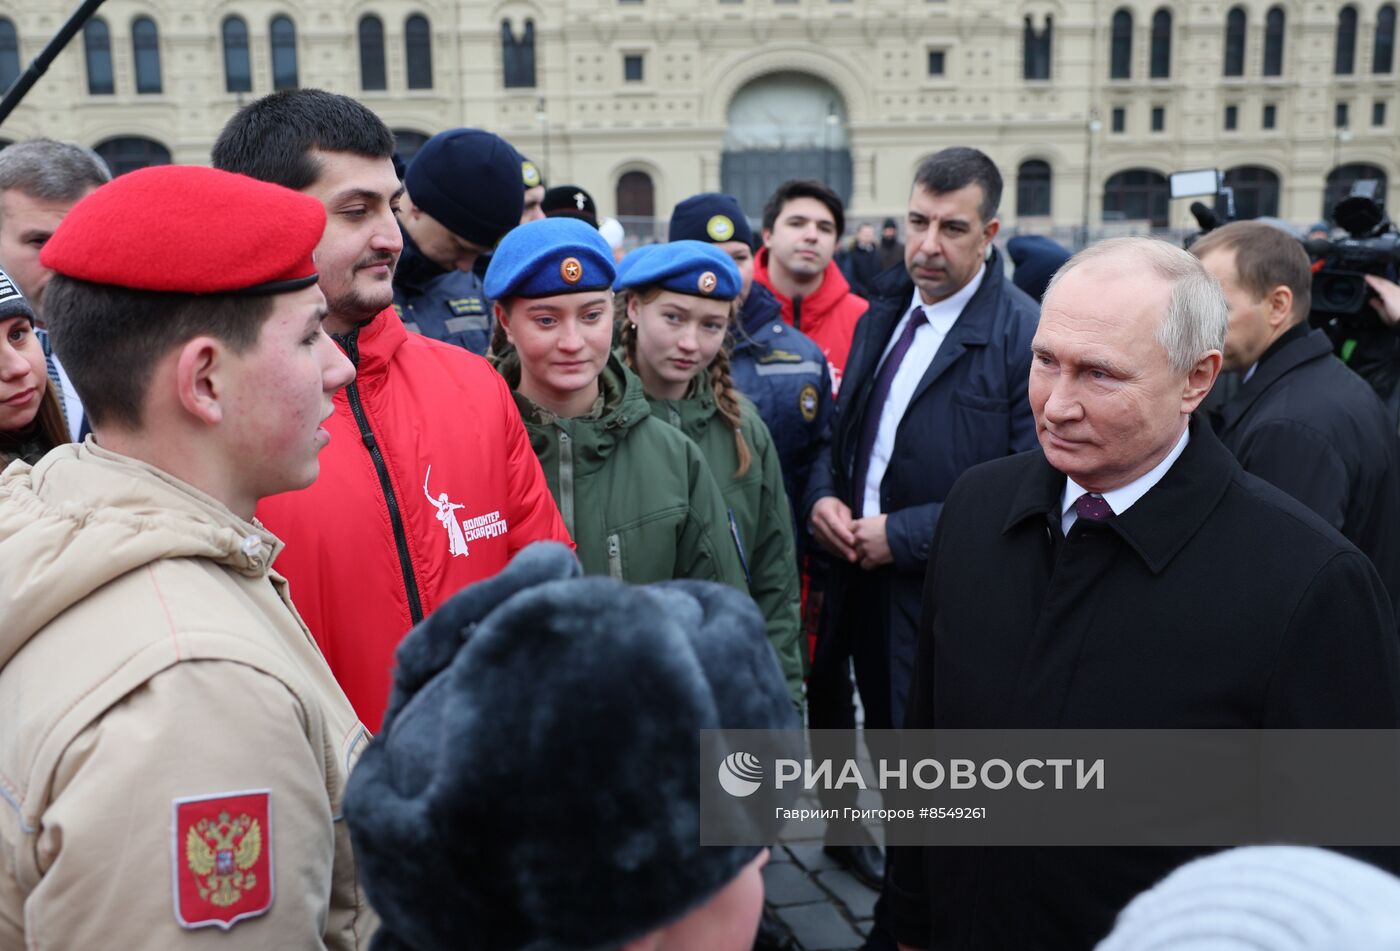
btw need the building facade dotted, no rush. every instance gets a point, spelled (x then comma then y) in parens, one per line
(1086, 105)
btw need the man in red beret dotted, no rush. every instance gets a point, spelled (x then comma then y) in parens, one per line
(429, 482)
(174, 747)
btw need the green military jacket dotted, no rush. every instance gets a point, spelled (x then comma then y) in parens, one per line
(636, 495)
(758, 503)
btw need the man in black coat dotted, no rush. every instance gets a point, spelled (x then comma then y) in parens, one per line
(1302, 420)
(1129, 574)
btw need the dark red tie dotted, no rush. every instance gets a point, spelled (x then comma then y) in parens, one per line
(1092, 506)
(876, 405)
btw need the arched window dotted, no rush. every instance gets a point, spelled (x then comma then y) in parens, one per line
(1344, 63)
(1120, 51)
(238, 70)
(128, 153)
(418, 44)
(407, 142)
(1341, 179)
(518, 56)
(1033, 189)
(636, 196)
(1036, 48)
(9, 53)
(1256, 191)
(372, 73)
(1383, 59)
(1161, 44)
(97, 47)
(1274, 25)
(284, 52)
(145, 44)
(1138, 194)
(1234, 42)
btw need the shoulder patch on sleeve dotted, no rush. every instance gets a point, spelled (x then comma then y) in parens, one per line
(221, 858)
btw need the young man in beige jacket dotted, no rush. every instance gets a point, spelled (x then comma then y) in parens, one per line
(173, 747)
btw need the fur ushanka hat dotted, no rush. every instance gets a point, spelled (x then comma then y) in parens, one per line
(536, 782)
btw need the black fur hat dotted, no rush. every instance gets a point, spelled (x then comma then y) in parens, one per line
(536, 784)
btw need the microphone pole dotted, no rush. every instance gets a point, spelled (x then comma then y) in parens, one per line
(26, 81)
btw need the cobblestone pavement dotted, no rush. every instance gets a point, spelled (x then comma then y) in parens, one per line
(824, 907)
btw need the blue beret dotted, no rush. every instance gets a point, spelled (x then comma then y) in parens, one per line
(686, 267)
(550, 256)
(710, 216)
(469, 180)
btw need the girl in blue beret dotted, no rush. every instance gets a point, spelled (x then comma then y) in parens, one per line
(637, 496)
(677, 302)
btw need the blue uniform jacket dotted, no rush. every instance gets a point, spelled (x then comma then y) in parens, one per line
(786, 376)
(450, 306)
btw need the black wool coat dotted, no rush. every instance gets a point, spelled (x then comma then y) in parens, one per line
(1216, 601)
(1309, 425)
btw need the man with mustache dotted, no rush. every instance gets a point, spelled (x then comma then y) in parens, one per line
(935, 384)
(423, 428)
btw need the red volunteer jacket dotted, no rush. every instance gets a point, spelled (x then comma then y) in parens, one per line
(828, 316)
(428, 484)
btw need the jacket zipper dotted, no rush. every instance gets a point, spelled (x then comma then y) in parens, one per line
(566, 480)
(797, 313)
(352, 394)
(615, 557)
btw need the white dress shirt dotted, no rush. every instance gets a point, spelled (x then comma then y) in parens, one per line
(72, 405)
(927, 339)
(1120, 500)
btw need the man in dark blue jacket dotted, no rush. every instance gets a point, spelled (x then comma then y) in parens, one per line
(936, 384)
(461, 198)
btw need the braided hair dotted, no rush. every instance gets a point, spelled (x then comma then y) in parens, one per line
(721, 382)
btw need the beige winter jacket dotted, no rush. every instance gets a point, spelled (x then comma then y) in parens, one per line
(173, 747)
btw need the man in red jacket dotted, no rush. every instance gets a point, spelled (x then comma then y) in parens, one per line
(802, 223)
(429, 482)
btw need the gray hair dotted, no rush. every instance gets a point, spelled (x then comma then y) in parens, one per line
(51, 171)
(1196, 313)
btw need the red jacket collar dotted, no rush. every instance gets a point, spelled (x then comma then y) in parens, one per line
(829, 295)
(377, 342)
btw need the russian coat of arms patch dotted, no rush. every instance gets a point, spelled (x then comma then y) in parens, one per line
(221, 857)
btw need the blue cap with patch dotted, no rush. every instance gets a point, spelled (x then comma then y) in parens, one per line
(550, 256)
(710, 216)
(686, 267)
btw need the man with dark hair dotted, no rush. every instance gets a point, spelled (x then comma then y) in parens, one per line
(861, 262)
(1301, 419)
(427, 445)
(802, 222)
(183, 764)
(40, 180)
(936, 384)
(891, 248)
(459, 203)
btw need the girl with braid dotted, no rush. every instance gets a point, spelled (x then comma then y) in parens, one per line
(676, 304)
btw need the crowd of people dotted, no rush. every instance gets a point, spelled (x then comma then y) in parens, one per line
(383, 529)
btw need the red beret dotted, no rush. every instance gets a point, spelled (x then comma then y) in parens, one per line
(191, 230)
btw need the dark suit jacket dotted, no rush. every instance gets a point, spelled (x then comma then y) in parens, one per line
(1318, 431)
(1215, 601)
(970, 406)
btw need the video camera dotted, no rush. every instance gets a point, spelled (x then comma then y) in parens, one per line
(1340, 266)
(1371, 246)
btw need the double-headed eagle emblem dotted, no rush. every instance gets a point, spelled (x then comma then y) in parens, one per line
(221, 852)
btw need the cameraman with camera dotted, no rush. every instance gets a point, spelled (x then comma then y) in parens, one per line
(1301, 419)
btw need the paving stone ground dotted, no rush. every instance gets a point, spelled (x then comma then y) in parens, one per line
(824, 907)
